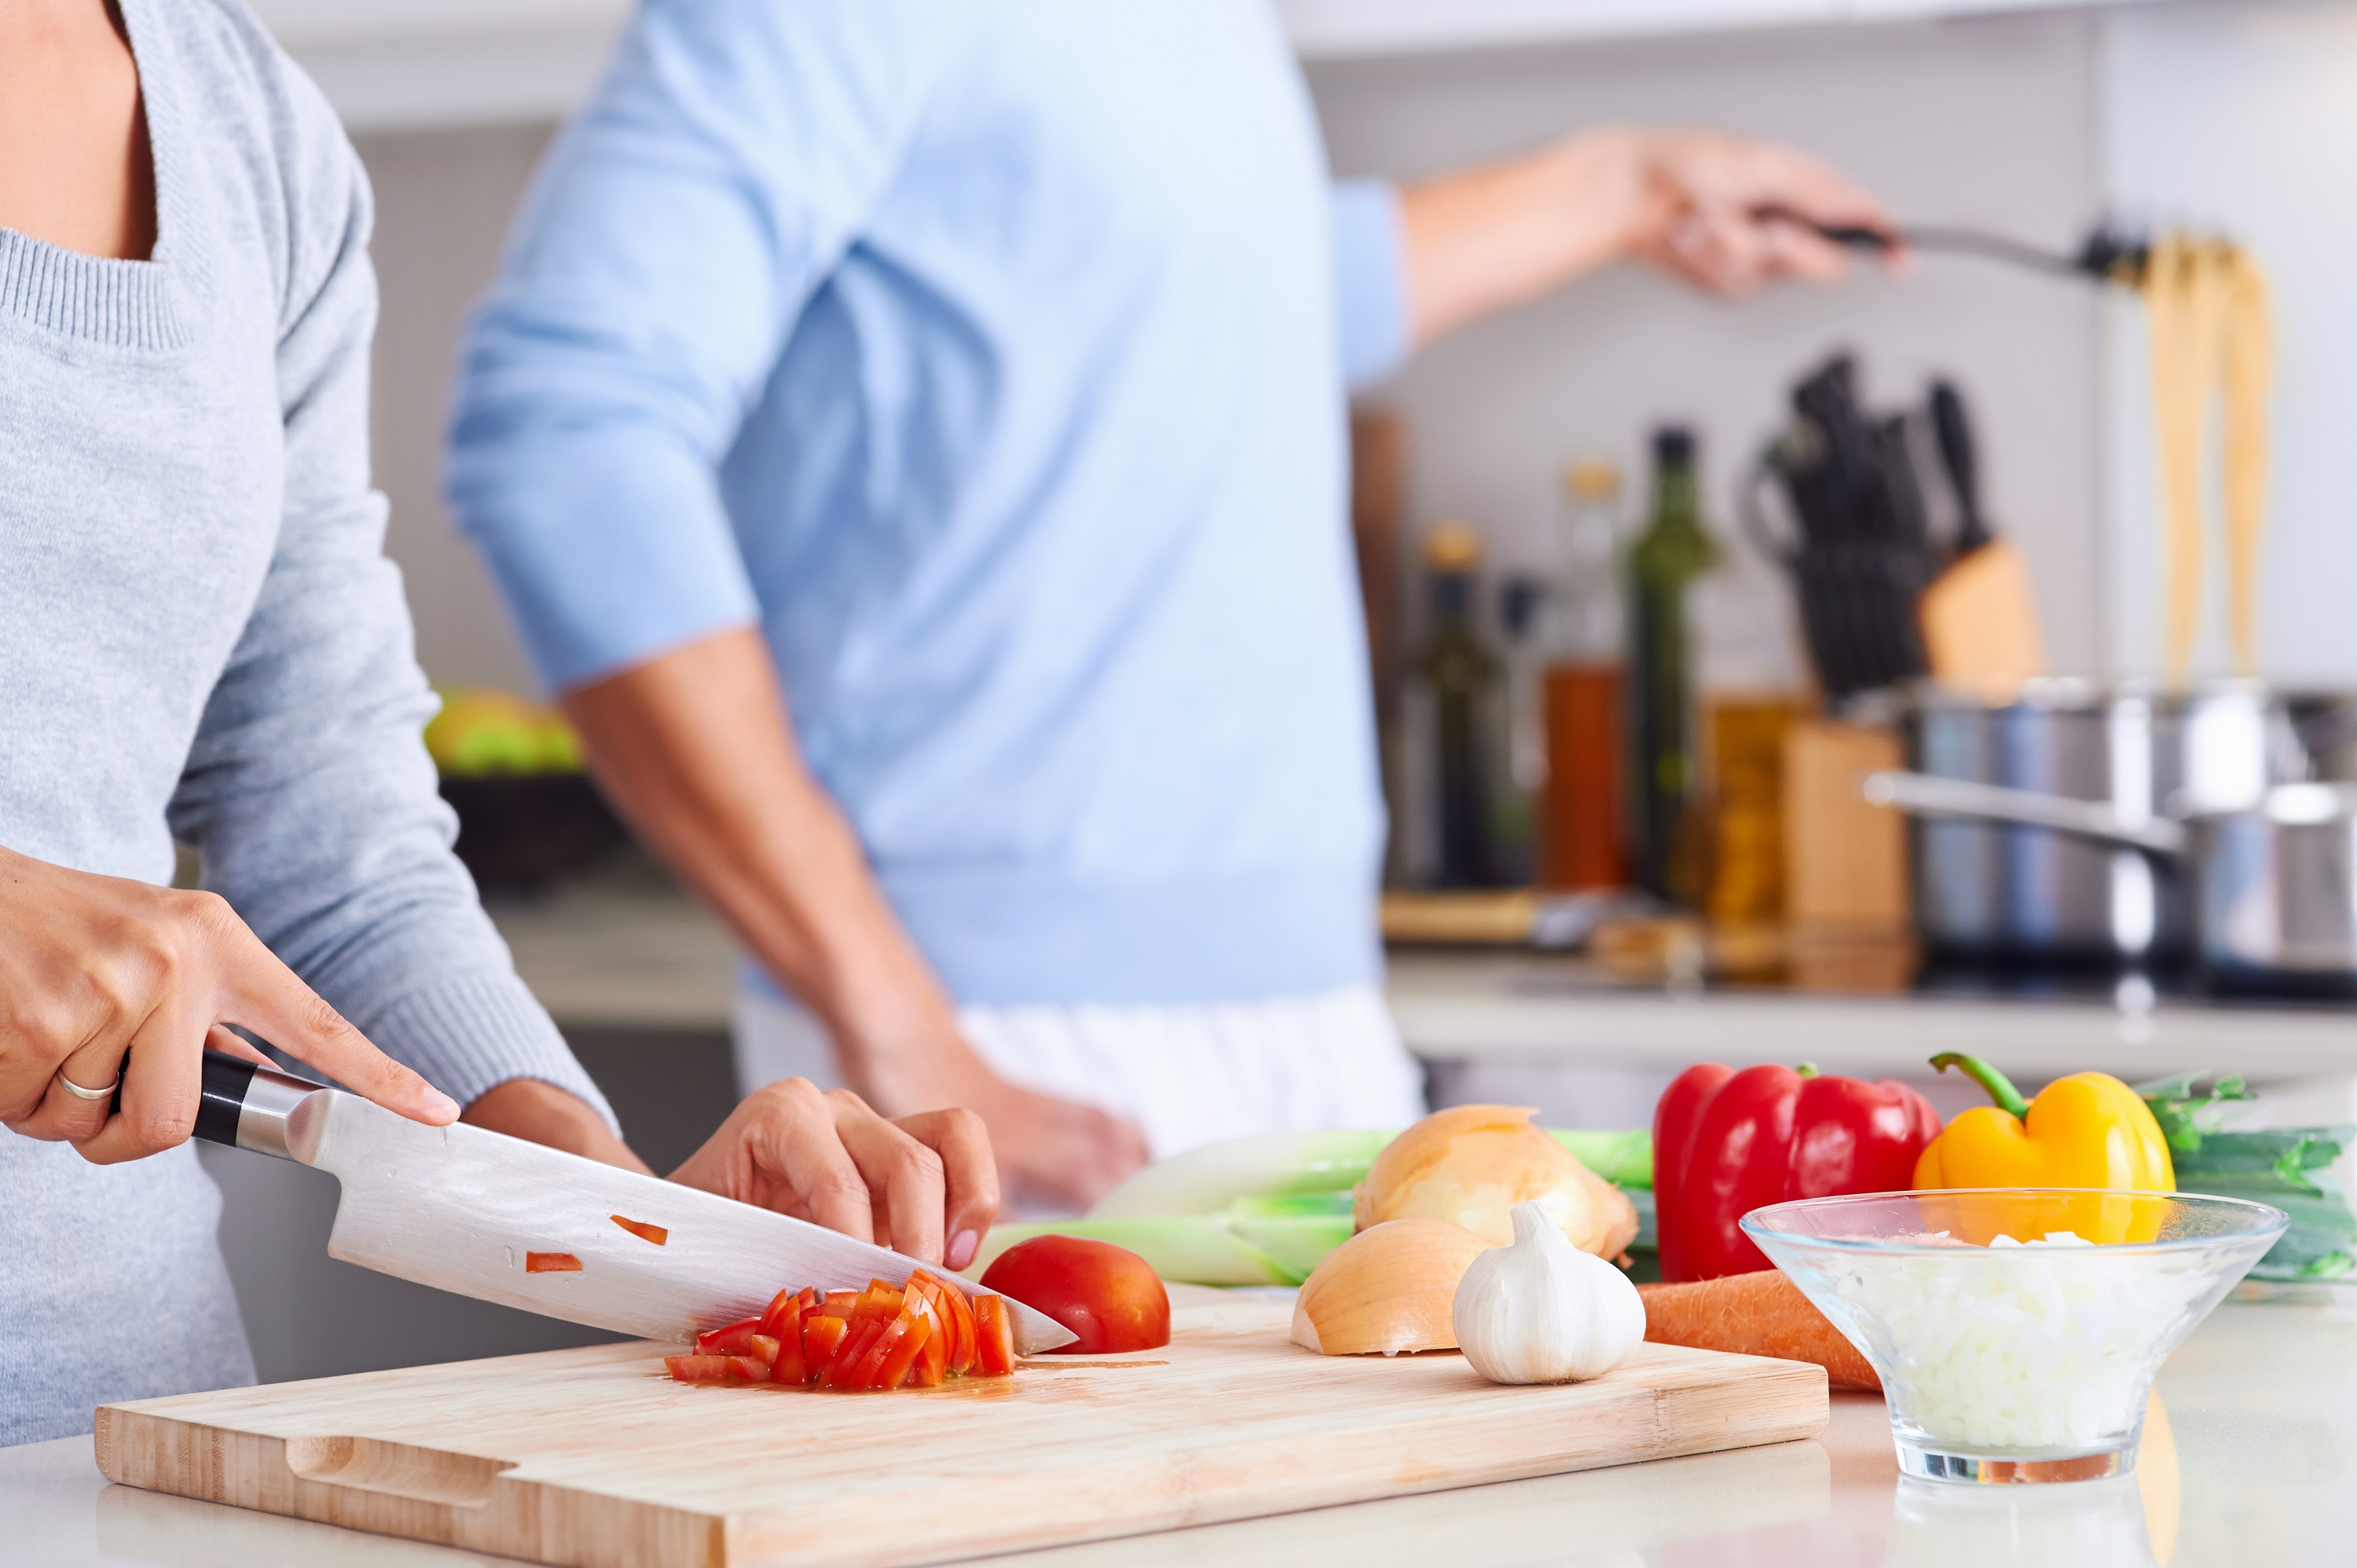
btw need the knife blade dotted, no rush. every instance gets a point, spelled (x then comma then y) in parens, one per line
(462, 1207)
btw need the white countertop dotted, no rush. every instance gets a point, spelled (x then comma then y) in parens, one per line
(2260, 1469)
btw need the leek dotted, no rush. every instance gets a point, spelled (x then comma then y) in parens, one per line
(1237, 1248)
(1207, 1180)
(1262, 1211)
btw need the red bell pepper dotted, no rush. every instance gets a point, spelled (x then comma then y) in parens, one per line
(1725, 1143)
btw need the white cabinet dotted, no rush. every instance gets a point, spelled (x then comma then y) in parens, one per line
(401, 64)
(1340, 29)
(388, 64)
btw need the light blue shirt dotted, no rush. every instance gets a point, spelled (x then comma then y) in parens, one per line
(990, 355)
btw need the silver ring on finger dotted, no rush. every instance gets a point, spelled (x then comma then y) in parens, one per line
(104, 1092)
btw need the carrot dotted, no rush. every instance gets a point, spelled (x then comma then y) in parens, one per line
(1762, 1313)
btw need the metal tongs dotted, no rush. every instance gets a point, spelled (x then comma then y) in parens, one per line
(2107, 254)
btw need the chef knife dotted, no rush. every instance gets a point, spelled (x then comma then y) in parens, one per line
(463, 1208)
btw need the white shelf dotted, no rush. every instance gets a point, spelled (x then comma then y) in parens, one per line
(413, 64)
(410, 64)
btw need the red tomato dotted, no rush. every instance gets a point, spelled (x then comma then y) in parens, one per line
(932, 1362)
(728, 1341)
(717, 1368)
(822, 1338)
(994, 1353)
(786, 1310)
(912, 1330)
(1108, 1295)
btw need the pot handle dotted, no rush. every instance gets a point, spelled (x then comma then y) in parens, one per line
(1925, 795)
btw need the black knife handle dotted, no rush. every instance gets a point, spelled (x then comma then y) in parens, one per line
(1954, 427)
(225, 1083)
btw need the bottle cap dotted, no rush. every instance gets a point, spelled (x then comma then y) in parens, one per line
(1592, 479)
(1452, 547)
(1673, 444)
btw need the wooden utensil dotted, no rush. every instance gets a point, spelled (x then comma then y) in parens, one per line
(592, 1457)
(1980, 617)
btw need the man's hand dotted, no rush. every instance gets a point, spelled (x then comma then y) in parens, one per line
(102, 976)
(923, 1184)
(1730, 216)
(1722, 214)
(1052, 1152)
(694, 748)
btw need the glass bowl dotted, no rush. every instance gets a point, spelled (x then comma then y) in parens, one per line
(2016, 1330)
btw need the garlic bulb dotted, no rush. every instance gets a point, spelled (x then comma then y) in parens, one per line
(1471, 1164)
(1385, 1290)
(1542, 1311)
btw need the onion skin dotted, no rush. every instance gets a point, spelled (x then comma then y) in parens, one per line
(1471, 1164)
(1386, 1290)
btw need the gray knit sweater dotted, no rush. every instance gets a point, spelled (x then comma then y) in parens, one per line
(200, 638)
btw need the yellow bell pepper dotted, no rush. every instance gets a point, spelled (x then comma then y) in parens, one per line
(2088, 1130)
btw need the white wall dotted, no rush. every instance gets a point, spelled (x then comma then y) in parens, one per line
(1992, 121)
(2240, 116)
(443, 203)
(2243, 118)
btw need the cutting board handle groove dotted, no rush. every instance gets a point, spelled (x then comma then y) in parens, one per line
(395, 1469)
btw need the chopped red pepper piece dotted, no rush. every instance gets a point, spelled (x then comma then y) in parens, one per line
(643, 1231)
(550, 1264)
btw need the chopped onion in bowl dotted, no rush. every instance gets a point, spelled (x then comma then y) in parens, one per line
(2035, 1351)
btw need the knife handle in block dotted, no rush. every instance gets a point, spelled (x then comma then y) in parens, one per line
(244, 1104)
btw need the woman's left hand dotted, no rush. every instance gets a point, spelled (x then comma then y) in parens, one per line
(924, 1184)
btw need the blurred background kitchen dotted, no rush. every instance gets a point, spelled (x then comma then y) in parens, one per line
(1701, 877)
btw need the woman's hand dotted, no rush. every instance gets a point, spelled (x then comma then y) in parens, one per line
(101, 976)
(923, 1184)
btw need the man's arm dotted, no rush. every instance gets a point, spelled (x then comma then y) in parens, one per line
(1714, 211)
(695, 748)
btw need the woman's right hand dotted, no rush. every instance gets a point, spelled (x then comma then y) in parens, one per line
(101, 976)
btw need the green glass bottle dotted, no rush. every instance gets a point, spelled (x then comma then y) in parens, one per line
(1663, 564)
(1455, 715)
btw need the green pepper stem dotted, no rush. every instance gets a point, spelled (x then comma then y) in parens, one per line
(1806, 1069)
(2001, 1087)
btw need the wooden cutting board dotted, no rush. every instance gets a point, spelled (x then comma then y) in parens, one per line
(594, 1457)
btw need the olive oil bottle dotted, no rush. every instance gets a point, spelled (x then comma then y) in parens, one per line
(1664, 563)
(1455, 723)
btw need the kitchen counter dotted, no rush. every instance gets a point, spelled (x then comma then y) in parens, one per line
(625, 951)
(2259, 1469)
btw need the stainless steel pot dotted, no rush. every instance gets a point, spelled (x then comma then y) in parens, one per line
(2016, 889)
(2273, 884)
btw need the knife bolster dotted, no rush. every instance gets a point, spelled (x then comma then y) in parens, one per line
(264, 1107)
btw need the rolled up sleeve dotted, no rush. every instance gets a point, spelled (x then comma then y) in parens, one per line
(726, 162)
(308, 789)
(1369, 280)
